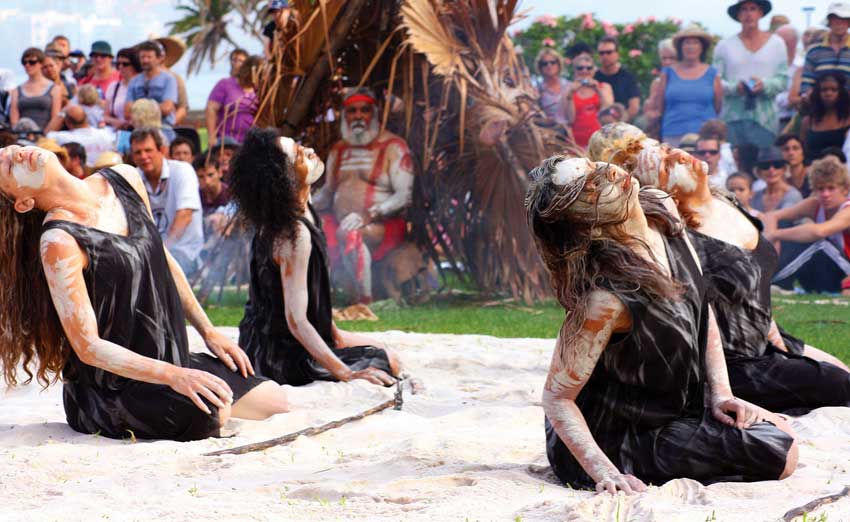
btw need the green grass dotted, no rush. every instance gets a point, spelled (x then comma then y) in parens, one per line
(826, 326)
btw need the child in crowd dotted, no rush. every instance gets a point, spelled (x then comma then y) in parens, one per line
(741, 185)
(89, 100)
(181, 149)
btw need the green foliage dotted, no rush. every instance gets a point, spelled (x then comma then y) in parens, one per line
(638, 40)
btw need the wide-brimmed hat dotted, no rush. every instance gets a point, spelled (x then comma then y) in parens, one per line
(692, 31)
(733, 9)
(101, 47)
(108, 158)
(838, 10)
(689, 141)
(173, 46)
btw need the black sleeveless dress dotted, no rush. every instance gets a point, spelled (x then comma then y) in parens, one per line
(137, 307)
(264, 334)
(739, 289)
(644, 400)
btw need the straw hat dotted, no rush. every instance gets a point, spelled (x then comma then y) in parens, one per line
(692, 31)
(108, 158)
(733, 9)
(174, 47)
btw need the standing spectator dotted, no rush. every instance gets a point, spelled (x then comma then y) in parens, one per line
(154, 82)
(753, 65)
(174, 48)
(652, 107)
(94, 140)
(51, 68)
(777, 194)
(691, 93)
(828, 120)
(786, 109)
(612, 72)
(792, 151)
(102, 75)
(586, 96)
(36, 98)
(708, 150)
(181, 149)
(63, 45)
(280, 13)
(825, 260)
(76, 159)
(172, 187)
(116, 95)
(232, 104)
(79, 66)
(833, 53)
(237, 58)
(553, 86)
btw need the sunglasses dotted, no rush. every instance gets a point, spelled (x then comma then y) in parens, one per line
(120, 63)
(706, 152)
(94, 56)
(544, 63)
(30, 62)
(583, 67)
(779, 164)
(606, 52)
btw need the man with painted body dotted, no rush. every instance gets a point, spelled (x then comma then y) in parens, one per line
(370, 183)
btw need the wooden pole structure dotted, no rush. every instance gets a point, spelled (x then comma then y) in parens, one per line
(396, 403)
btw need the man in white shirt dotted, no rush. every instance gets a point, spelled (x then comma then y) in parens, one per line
(95, 141)
(173, 192)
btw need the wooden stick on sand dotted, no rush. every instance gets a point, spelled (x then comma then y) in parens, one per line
(815, 504)
(396, 403)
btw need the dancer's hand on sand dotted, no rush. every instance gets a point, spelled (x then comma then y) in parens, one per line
(229, 352)
(197, 383)
(746, 414)
(628, 484)
(375, 376)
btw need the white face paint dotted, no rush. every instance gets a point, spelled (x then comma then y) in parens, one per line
(569, 170)
(315, 166)
(648, 165)
(681, 178)
(27, 178)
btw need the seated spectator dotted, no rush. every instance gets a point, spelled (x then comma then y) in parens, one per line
(102, 75)
(623, 83)
(708, 150)
(215, 194)
(95, 141)
(154, 83)
(76, 159)
(777, 194)
(792, 151)
(718, 130)
(828, 120)
(53, 67)
(181, 149)
(753, 67)
(88, 99)
(553, 86)
(690, 92)
(62, 45)
(786, 109)
(36, 98)
(825, 262)
(116, 95)
(172, 188)
(585, 96)
(832, 53)
(232, 104)
(652, 107)
(741, 185)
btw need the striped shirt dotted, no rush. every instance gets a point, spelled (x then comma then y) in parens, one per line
(823, 58)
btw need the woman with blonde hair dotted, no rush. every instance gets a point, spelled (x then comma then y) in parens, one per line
(551, 89)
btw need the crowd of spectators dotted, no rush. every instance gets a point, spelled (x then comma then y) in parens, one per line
(758, 107)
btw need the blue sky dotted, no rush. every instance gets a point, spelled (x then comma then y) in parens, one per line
(126, 22)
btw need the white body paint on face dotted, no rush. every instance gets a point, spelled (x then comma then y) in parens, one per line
(648, 165)
(316, 166)
(29, 178)
(569, 170)
(681, 177)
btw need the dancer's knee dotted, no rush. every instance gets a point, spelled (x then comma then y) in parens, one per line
(791, 459)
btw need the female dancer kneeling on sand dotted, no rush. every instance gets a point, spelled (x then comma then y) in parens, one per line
(288, 331)
(624, 399)
(116, 326)
(766, 366)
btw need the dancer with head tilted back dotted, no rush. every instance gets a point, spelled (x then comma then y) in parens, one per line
(624, 398)
(89, 291)
(766, 366)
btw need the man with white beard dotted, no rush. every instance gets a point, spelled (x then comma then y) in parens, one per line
(369, 183)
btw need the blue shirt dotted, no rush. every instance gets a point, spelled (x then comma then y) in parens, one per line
(160, 88)
(822, 58)
(687, 103)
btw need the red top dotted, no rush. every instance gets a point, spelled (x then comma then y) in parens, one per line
(102, 84)
(586, 117)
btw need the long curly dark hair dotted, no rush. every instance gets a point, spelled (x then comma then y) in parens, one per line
(30, 331)
(579, 257)
(264, 185)
(842, 105)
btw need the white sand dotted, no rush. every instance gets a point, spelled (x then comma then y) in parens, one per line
(469, 447)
